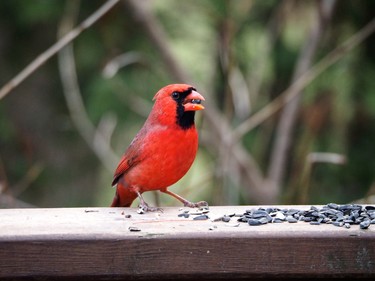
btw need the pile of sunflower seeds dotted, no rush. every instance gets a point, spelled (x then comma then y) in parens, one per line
(337, 215)
(332, 213)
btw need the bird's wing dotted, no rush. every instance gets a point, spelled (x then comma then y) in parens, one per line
(129, 159)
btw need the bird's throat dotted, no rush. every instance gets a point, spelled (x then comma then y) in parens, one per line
(185, 119)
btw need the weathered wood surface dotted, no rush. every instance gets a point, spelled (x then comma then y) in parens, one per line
(96, 244)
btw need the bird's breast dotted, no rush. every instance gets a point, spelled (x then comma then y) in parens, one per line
(167, 156)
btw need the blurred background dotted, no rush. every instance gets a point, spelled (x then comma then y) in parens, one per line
(290, 102)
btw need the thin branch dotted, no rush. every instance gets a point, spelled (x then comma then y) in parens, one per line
(31, 175)
(7, 196)
(95, 139)
(326, 157)
(140, 11)
(115, 64)
(135, 103)
(303, 81)
(240, 93)
(312, 159)
(46, 55)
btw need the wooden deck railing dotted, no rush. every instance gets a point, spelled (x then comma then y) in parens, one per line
(119, 243)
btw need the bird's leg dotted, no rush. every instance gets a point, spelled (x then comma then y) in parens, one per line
(184, 201)
(145, 207)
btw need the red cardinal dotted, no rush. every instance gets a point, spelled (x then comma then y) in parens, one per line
(163, 150)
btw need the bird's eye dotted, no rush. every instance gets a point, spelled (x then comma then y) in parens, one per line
(175, 95)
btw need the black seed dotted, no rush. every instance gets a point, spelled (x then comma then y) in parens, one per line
(315, 214)
(291, 219)
(185, 215)
(355, 214)
(134, 229)
(254, 222)
(308, 219)
(204, 211)
(365, 224)
(201, 217)
(310, 214)
(339, 219)
(259, 214)
(331, 212)
(225, 219)
(263, 220)
(344, 207)
(243, 219)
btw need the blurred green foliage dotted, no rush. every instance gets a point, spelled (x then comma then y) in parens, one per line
(44, 160)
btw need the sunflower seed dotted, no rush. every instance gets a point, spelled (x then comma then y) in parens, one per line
(254, 222)
(225, 218)
(134, 229)
(365, 224)
(201, 217)
(291, 219)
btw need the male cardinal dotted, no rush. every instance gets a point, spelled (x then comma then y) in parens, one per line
(163, 150)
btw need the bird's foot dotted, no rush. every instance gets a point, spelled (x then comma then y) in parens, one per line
(195, 205)
(144, 208)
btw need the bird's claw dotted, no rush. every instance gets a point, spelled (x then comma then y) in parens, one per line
(146, 208)
(195, 205)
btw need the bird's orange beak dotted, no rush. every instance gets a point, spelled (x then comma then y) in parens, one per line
(193, 101)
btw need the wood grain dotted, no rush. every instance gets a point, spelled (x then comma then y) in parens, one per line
(96, 243)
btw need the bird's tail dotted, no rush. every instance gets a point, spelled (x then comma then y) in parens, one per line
(123, 197)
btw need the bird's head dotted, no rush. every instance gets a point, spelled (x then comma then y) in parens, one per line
(177, 103)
